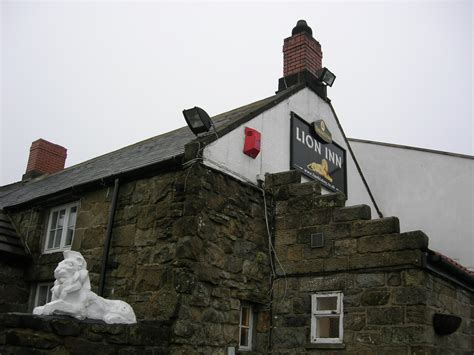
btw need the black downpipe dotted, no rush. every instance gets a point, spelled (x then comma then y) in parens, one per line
(108, 238)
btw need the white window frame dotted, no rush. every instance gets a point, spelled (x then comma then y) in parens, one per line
(249, 327)
(49, 285)
(338, 313)
(62, 246)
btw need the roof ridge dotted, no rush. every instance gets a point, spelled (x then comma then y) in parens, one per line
(402, 146)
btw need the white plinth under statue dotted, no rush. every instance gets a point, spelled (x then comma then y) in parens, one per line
(72, 295)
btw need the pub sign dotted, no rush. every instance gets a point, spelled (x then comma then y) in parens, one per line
(316, 159)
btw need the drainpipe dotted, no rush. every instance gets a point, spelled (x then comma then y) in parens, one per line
(108, 238)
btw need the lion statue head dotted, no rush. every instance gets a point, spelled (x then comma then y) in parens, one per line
(71, 275)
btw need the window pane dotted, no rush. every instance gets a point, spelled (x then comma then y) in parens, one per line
(244, 337)
(42, 295)
(57, 239)
(54, 220)
(51, 239)
(327, 327)
(61, 218)
(69, 235)
(326, 303)
(245, 316)
(48, 298)
(72, 217)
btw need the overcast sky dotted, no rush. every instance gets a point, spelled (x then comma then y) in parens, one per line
(96, 76)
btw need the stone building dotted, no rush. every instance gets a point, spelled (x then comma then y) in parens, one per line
(221, 252)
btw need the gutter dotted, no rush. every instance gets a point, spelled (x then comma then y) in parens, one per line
(71, 192)
(443, 267)
(108, 238)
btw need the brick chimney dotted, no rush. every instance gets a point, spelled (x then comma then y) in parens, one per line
(45, 158)
(301, 51)
(302, 59)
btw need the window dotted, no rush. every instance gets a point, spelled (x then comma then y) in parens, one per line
(61, 224)
(326, 320)
(43, 294)
(245, 328)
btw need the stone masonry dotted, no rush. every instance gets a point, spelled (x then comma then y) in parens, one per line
(58, 335)
(189, 247)
(389, 298)
(14, 290)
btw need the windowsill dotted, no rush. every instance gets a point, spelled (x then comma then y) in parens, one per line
(243, 350)
(52, 251)
(325, 346)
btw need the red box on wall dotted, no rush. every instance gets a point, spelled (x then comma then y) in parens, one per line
(252, 142)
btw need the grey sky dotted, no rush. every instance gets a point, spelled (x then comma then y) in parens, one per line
(97, 76)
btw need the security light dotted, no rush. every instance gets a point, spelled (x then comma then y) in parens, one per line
(326, 76)
(198, 120)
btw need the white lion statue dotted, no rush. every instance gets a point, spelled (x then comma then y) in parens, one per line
(72, 295)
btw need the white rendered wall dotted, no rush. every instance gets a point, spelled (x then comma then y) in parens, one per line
(428, 191)
(274, 125)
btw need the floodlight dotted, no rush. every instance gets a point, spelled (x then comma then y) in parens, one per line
(326, 76)
(198, 120)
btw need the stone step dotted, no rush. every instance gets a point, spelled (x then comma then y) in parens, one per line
(283, 178)
(392, 242)
(308, 202)
(292, 191)
(352, 213)
(380, 226)
(304, 189)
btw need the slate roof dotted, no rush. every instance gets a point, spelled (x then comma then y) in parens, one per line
(145, 153)
(10, 242)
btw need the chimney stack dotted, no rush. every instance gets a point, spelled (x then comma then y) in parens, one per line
(301, 51)
(302, 60)
(45, 158)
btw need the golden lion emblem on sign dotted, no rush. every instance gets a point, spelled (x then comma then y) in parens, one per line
(322, 169)
(72, 295)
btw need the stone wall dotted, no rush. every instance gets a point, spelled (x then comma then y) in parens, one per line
(384, 313)
(223, 240)
(389, 298)
(28, 334)
(187, 246)
(14, 290)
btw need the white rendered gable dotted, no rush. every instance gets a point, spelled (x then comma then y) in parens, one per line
(226, 153)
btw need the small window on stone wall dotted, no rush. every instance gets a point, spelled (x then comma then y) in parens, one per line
(246, 328)
(61, 225)
(327, 317)
(43, 293)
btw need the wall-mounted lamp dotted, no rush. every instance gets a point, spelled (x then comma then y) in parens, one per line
(198, 120)
(326, 76)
